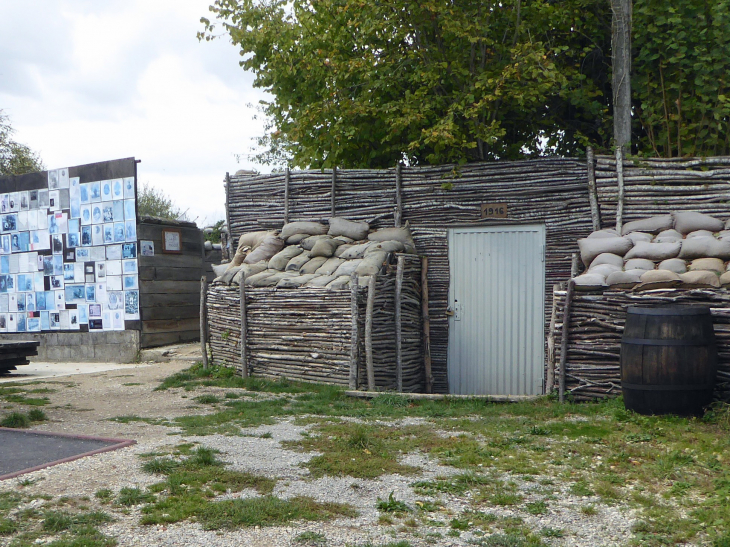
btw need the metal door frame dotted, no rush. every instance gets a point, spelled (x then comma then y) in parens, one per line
(541, 229)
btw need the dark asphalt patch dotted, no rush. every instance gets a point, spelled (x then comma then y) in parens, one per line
(24, 451)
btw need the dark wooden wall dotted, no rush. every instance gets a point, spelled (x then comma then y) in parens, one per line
(169, 285)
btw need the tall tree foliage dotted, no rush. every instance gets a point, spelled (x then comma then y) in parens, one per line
(155, 203)
(15, 158)
(681, 77)
(359, 83)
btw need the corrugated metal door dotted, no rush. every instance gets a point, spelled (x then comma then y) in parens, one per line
(497, 294)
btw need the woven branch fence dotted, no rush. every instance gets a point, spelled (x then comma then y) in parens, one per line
(315, 334)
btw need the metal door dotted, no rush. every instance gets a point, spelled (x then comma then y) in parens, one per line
(496, 298)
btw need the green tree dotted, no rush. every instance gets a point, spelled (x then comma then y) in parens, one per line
(681, 77)
(154, 203)
(15, 158)
(362, 83)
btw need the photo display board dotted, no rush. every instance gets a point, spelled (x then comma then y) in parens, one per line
(68, 250)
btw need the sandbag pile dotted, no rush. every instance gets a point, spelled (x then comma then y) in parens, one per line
(313, 254)
(682, 249)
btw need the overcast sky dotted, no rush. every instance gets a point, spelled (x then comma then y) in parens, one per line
(85, 81)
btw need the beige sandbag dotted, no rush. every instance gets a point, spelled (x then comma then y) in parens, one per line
(668, 236)
(704, 247)
(340, 282)
(248, 270)
(265, 250)
(296, 239)
(725, 279)
(624, 280)
(604, 269)
(725, 234)
(608, 258)
(227, 276)
(658, 279)
(313, 265)
(699, 233)
(639, 236)
(354, 230)
(639, 264)
(591, 248)
(590, 282)
(220, 269)
(676, 265)
(342, 248)
(699, 279)
(356, 251)
(311, 228)
(297, 262)
(308, 243)
(247, 243)
(651, 225)
(608, 232)
(329, 267)
(295, 281)
(272, 280)
(255, 278)
(393, 234)
(320, 281)
(708, 264)
(409, 249)
(654, 251)
(385, 246)
(371, 264)
(282, 258)
(348, 267)
(690, 221)
(344, 239)
(325, 247)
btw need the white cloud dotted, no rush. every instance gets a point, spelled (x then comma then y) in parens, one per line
(87, 81)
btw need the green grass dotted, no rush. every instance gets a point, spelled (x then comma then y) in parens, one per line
(16, 420)
(392, 505)
(311, 538)
(207, 399)
(133, 496)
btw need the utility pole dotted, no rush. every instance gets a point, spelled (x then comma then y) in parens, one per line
(621, 52)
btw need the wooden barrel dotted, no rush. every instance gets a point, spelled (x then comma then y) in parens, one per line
(668, 360)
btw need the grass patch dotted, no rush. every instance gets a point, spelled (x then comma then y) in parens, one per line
(392, 505)
(133, 496)
(207, 399)
(129, 418)
(311, 538)
(16, 420)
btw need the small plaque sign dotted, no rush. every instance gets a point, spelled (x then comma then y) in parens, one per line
(494, 210)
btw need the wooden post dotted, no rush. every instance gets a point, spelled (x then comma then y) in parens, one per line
(564, 339)
(398, 215)
(426, 325)
(369, 333)
(574, 264)
(550, 376)
(620, 180)
(244, 359)
(398, 324)
(204, 320)
(621, 65)
(592, 190)
(332, 196)
(287, 175)
(355, 335)
(226, 250)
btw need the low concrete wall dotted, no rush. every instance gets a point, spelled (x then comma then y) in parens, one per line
(84, 347)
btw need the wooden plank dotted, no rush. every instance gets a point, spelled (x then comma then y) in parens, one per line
(426, 325)
(398, 197)
(286, 196)
(170, 325)
(203, 320)
(354, 337)
(172, 261)
(149, 273)
(369, 333)
(169, 312)
(550, 376)
(592, 192)
(170, 287)
(620, 180)
(332, 192)
(399, 325)
(165, 339)
(164, 299)
(244, 361)
(564, 339)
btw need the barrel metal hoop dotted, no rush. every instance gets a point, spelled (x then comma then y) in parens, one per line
(668, 387)
(656, 342)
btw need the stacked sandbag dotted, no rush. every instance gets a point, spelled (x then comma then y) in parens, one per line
(683, 249)
(314, 254)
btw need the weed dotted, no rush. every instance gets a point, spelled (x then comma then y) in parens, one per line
(311, 538)
(266, 435)
(37, 415)
(15, 420)
(552, 532)
(392, 505)
(133, 496)
(506, 498)
(104, 495)
(460, 524)
(161, 466)
(589, 510)
(536, 508)
(7, 527)
(207, 399)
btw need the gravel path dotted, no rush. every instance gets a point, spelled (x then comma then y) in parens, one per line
(83, 404)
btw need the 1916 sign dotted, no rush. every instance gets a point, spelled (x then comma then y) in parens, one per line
(494, 210)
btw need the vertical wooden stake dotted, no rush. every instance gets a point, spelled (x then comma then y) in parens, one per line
(332, 196)
(550, 376)
(398, 215)
(355, 335)
(426, 325)
(564, 339)
(226, 250)
(574, 264)
(369, 333)
(204, 320)
(592, 190)
(399, 325)
(620, 180)
(287, 175)
(244, 360)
